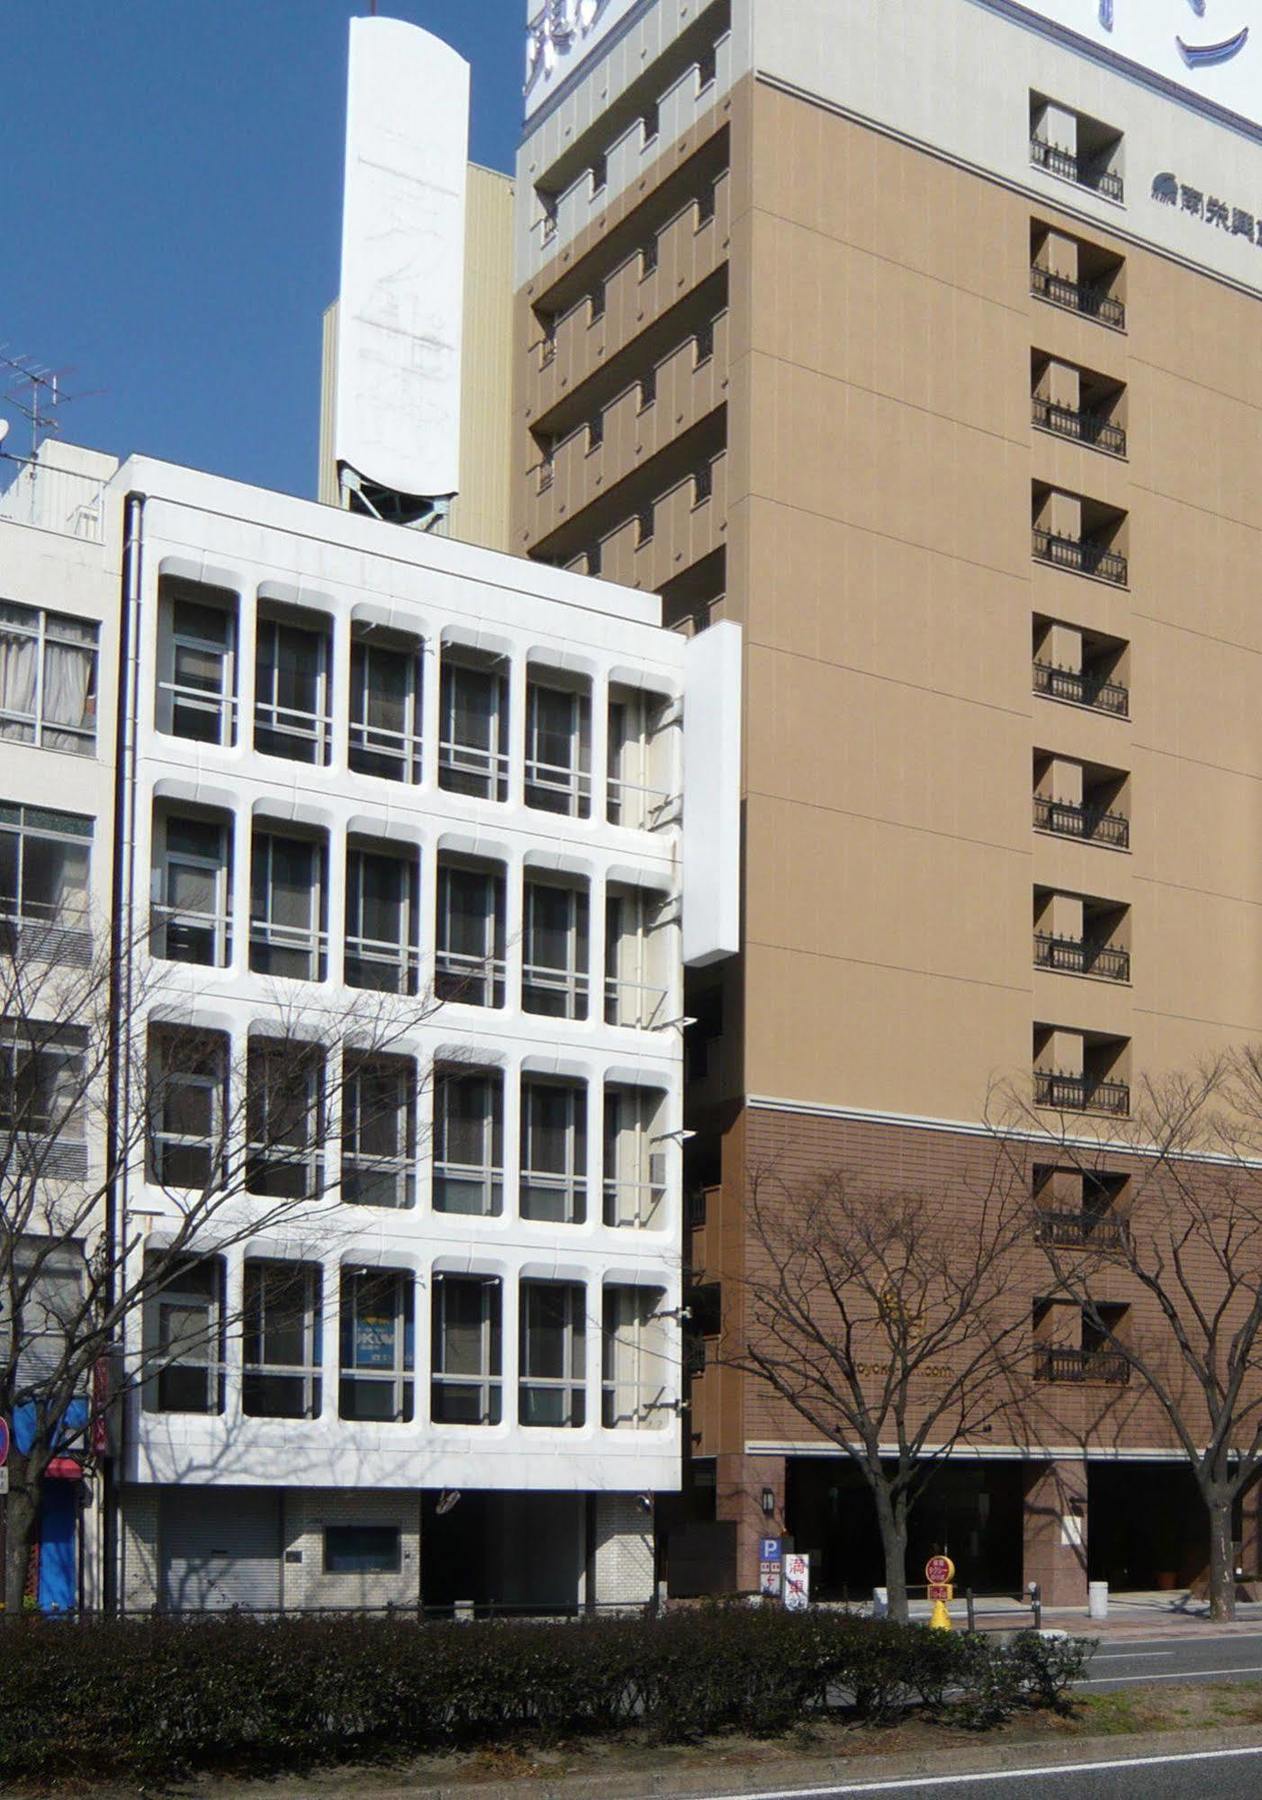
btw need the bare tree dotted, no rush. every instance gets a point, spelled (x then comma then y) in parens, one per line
(106, 1084)
(883, 1318)
(1169, 1282)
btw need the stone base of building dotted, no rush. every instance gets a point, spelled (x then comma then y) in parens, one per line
(197, 1548)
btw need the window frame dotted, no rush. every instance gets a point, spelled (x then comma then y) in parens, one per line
(488, 1379)
(258, 1273)
(401, 955)
(569, 1183)
(570, 982)
(38, 626)
(398, 1379)
(570, 1387)
(487, 1174)
(266, 935)
(269, 723)
(378, 744)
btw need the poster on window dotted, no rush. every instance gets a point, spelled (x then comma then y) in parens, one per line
(374, 1341)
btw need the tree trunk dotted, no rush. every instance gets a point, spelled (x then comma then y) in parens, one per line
(21, 1510)
(1222, 1565)
(891, 1518)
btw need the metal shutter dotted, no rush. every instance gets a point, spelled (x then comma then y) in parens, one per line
(220, 1547)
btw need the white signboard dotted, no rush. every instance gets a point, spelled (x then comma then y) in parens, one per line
(402, 289)
(1213, 48)
(797, 1582)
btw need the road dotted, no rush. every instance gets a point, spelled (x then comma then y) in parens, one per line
(1160, 1660)
(1223, 1774)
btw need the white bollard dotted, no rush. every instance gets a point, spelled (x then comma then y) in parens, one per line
(1097, 1599)
(880, 1603)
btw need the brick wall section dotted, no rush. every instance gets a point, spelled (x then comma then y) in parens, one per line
(139, 1588)
(1056, 1514)
(623, 1567)
(309, 1510)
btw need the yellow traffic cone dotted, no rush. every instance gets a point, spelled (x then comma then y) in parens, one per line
(940, 1618)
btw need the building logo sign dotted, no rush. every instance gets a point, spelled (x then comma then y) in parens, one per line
(1168, 190)
(553, 32)
(1196, 55)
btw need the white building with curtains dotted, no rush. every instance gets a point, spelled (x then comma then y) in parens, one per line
(446, 806)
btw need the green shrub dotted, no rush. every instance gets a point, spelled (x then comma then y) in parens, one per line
(165, 1697)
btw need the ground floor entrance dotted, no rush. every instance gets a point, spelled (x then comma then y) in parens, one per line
(203, 1548)
(1006, 1522)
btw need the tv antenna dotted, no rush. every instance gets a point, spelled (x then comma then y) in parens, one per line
(37, 392)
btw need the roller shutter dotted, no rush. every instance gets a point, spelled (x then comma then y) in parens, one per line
(220, 1547)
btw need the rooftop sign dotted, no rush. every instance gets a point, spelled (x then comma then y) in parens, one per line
(1213, 48)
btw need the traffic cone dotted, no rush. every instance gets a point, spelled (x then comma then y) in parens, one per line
(940, 1618)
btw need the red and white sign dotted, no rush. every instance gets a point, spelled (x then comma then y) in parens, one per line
(938, 1571)
(939, 1590)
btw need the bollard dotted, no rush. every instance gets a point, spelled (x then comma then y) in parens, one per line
(940, 1618)
(1036, 1604)
(1097, 1599)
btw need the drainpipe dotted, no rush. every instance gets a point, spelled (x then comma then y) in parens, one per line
(121, 960)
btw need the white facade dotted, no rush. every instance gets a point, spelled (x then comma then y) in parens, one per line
(523, 741)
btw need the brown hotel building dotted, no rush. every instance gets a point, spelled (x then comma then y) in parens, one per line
(922, 338)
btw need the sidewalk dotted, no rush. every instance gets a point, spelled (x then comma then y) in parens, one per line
(1143, 1615)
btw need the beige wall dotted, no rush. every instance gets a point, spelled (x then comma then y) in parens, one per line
(881, 562)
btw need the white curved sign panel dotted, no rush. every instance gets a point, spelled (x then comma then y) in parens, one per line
(1213, 48)
(402, 288)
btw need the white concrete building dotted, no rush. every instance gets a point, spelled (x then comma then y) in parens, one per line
(374, 776)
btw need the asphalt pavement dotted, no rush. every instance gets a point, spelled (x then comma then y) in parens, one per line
(1232, 1774)
(1145, 1661)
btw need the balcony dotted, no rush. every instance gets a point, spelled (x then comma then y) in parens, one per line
(1093, 824)
(1083, 556)
(1081, 956)
(1096, 1368)
(1094, 429)
(1081, 1093)
(1078, 169)
(1080, 1231)
(1082, 688)
(1084, 297)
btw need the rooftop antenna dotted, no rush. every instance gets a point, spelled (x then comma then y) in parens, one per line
(37, 392)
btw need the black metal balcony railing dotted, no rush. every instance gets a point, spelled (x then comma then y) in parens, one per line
(1097, 1367)
(1080, 1231)
(1076, 168)
(1081, 956)
(1081, 1093)
(1069, 818)
(1083, 688)
(1078, 296)
(1082, 555)
(1090, 428)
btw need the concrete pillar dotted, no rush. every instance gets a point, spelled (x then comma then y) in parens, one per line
(1054, 1536)
(740, 1484)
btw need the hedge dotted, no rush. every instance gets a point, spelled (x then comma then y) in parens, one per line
(167, 1697)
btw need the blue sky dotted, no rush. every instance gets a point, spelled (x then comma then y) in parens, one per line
(170, 210)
